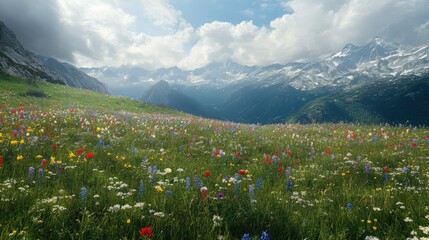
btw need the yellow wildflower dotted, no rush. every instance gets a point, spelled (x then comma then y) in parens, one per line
(13, 142)
(71, 155)
(159, 189)
(39, 156)
(22, 141)
(128, 221)
(19, 157)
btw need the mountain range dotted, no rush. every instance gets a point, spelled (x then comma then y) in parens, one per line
(15, 60)
(381, 76)
(379, 82)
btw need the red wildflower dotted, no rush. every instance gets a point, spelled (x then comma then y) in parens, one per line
(328, 151)
(54, 146)
(242, 172)
(1, 161)
(44, 162)
(280, 169)
(89, 155)
(79, 151)
(386, 169)
(237, 154)
(414, 145)
(204, 193)
(207, 174)
(289, 152)
(267, 159)
(146, 232)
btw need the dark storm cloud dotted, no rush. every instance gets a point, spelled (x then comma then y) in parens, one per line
(37, 25)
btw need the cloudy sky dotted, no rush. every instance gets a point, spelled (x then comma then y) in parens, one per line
(192, 33)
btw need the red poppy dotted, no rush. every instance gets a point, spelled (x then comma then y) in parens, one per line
(79, 151)
(1, 161)
(237, 154)
(54, 146)
(207, 174)
(289, 152)
(414, 145)
(242, 172)
(280, 169)
(386, 169)
(146, 232)
(89, 155)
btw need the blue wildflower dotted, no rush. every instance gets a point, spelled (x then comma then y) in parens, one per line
(349, 205)
(259, 183)
(367, 168)
(188, 183)
(265, 236)
(252, 193)
(246, 236)
(83, 194)
(289, 185)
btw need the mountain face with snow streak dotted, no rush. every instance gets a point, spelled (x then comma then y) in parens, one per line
(232, 88)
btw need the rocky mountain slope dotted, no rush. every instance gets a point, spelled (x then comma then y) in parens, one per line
(15, 60)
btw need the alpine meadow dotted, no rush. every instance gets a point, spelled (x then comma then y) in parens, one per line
(214, 120)
(81, 165)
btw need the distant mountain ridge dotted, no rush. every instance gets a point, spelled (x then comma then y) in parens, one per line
(283, 92)
(15, 60)
(162, 94)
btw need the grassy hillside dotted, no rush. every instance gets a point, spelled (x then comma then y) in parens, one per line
(73, 165)
(34, 92)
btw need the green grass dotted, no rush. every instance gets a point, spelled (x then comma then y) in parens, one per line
(344, 183)
(43, 94)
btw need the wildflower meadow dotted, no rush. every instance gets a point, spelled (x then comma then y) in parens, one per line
(79, 165)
